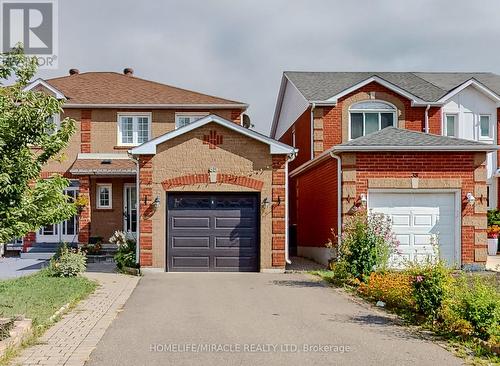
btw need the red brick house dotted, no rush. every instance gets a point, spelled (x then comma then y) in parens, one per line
(173, 168)
(418, 147)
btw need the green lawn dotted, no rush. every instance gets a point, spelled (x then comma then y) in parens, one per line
(39, 296)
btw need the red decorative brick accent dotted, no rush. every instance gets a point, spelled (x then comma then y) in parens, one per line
(278, 210)
(203, 178)
(185, 180)
(28, 241)
(212, 139)
(85, 213)
(85, 130)
(239, 180)
(46, 175)
(145, 210)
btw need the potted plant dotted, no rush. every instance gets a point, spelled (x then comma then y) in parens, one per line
(493, 232)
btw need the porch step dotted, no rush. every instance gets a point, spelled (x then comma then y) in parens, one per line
(40, 251)
(37, 255)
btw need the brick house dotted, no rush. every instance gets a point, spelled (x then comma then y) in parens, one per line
(418, 147)
(173, 168)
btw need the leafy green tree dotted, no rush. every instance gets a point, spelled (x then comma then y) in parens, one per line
(28, 140)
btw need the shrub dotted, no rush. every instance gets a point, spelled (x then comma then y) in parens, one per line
(430, 280)
(91, 248)
(69, 263)
(493, 217)
(393, 288)
(126, 253)
(367, 243)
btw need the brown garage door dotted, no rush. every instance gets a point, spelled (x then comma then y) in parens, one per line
(213, 232)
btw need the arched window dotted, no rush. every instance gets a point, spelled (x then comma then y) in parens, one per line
(370, 116)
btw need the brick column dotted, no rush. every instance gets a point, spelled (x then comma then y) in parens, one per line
(85, 213)
(145, 223)
(86, 123)
(28, 241)
(278, 211)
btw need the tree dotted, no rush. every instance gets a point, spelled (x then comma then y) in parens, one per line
(29, 138)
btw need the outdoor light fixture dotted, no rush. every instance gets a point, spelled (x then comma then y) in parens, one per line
(265, 202)
(470, 198)
(362, 198)
(156, 202)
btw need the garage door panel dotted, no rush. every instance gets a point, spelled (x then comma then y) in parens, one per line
(190, 242)
(418, 218)
(225, 235)
(191, 222)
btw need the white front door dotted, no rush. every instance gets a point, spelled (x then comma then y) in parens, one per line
(130, 209)
(418, 219)
(66, 231)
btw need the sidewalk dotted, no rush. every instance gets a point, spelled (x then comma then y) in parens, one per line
(71, 340)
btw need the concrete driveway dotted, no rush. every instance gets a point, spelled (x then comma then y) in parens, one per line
(255, 319)
(17, 267)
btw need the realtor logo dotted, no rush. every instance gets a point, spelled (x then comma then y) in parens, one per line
(34, 24)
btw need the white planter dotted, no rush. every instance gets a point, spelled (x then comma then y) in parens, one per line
(492, 246)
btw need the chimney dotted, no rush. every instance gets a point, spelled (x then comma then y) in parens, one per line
(74, 71)
(128, 71)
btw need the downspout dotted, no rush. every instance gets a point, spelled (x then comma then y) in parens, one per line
(339, 197)
(427, 118)
(287, 254)
(313, 106)
(138, 210)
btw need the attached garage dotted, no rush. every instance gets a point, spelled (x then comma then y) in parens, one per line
(212, 198)
(420, 218)
(212, 232)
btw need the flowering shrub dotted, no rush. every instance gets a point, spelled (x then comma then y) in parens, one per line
(393, 288)
(67, 263)
(367, 243)
(493, 231)
(126, 253)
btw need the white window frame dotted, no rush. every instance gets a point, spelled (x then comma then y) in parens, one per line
(57, 123)
(135, 134)
(393, 110)
(490, 127)
(198, 115)
(99, 186)
(445, 124)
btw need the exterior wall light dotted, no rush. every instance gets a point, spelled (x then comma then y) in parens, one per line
(266, 202)
(362, 198)
(470, 198)
(156, 202)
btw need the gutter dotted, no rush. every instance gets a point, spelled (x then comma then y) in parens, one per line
(291, 157)
(339, 197)
(426, 129)
(158, 106)
(138, 209)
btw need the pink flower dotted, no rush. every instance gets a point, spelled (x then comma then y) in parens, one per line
(419, 278)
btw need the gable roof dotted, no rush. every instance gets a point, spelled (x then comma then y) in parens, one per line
(428, 87)
(107, 89)
(397, 139)
(275, 147)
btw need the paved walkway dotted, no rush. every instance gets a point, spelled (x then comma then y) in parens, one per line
(212, 319)
(71, 340)
(493, 263)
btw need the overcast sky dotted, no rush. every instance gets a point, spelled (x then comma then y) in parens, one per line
(239, 49)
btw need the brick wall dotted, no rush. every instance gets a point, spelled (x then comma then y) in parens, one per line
(84, 221)
(316, 204)
(86, 130)
(145, 210)
(278, 211)
(302, 128)
(464, 171)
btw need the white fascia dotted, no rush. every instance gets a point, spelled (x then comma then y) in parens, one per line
(276, 147)
(476, 84)
(58, 94)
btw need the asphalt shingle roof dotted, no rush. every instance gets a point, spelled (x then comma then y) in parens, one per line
(397, 137)
(428, 86)
(115, 88)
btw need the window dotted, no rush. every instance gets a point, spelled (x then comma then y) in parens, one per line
(183, 119)
(450, 127)
(484, 127)
(370, 116)
(53, 124)
(104, 196)
(134, 129)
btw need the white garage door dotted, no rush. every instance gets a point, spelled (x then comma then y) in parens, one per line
(416, 218)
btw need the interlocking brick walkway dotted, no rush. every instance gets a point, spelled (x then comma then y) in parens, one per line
(71, 340)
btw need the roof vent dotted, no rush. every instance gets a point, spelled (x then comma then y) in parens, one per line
(74, 71)
(128, 71)
(106, 161)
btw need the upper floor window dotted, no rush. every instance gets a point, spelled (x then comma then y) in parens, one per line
(450, 125)
(370, 116)
(184, 118)
(485, 127)
(53, 124)
(134, 129)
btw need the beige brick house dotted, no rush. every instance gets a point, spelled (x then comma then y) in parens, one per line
(173, 168)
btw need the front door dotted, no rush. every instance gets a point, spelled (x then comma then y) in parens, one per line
(66, 231)
(130, 209)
